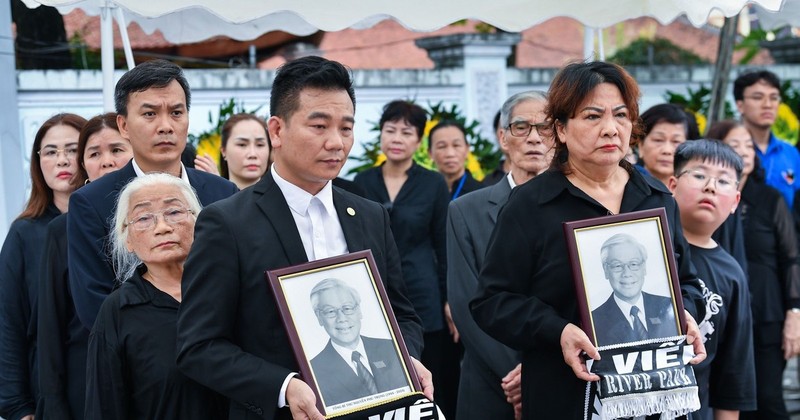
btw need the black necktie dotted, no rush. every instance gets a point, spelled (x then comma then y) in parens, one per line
(639, 331)
(364, 374)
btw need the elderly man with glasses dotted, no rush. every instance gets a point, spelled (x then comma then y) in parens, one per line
(351, 365)
(630, 314)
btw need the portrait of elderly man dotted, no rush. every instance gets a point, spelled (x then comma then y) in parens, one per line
(630, 314)
(351, 365)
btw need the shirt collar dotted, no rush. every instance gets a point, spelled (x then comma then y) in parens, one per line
(626, 307)
(347, 354)
(772, 143)
(299, 199)
(558, 183)
(140, 172)
(511, 181)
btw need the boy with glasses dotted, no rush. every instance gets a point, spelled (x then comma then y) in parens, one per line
(758, 97)
(705, 186)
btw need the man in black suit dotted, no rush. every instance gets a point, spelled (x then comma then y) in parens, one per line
(351, 365)
(630, 314)
(152, 103)
(230, 335)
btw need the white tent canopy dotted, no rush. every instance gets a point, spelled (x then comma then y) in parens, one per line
(195, 18)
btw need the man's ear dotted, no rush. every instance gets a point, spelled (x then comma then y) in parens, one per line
(275, 126)
(672, 184)
(122, 124)
(736, 202)
(739, 104)
(501, 137)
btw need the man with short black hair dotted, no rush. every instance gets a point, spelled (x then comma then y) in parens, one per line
(758, 97)
(230, 335)
(152, 101)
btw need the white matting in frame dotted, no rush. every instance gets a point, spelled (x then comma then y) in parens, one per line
(639, 271)
(352, 314)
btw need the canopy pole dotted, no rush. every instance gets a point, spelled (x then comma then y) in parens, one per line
(588, 43)
(126, 41)
(600, 49)
(107, 55)
(722, 70)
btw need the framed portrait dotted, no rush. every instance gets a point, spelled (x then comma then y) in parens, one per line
(343, 332)
(625, 277)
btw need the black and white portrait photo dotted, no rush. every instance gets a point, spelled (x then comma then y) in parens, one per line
(626, 281)
(345, 332)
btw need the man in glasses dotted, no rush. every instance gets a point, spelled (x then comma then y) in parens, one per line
(758, 97)
(489, 385)
(351, 365)
(630, 314)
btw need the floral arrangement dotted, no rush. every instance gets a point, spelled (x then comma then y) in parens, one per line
(786, 126)
(209, 142)
(482, 159)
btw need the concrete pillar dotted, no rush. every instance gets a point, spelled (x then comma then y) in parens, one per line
(483, 58)
(12, 177)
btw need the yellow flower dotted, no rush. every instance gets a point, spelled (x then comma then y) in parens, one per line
(701, 122)
(786, 124)
(785, 112)
(210, 145)
(429, 126)
(381, 158)
(474, 167)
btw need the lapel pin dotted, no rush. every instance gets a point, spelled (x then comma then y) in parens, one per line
(350, 211)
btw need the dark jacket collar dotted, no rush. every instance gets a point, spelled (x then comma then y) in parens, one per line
(138, 291)
(639, 186)
(272, 203)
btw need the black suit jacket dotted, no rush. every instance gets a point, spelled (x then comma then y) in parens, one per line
(230, 334)
(470, 222)
(91, 277)
(339, 383)
(611, 326)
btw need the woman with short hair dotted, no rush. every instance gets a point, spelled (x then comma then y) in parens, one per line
(131, 367)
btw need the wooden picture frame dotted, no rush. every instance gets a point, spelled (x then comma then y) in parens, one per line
(622, 261)
(350, 306)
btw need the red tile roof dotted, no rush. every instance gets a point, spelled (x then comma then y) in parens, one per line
(389, 45)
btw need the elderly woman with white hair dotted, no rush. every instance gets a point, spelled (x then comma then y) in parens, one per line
(131, 370)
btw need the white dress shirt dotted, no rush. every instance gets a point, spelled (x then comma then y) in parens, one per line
(319, 228)
(625, 307)
(347, 355)
(140, 172)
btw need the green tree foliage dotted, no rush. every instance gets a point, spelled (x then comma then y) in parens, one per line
(658, 51)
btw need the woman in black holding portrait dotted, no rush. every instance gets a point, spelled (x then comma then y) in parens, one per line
(526, 296)
(416, 199)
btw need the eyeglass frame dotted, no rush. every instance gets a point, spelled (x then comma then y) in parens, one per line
(769, 98)
(65, 150)
(152, 225)
(734, 183)
(335, 311)
(539, 127)
(623, 265)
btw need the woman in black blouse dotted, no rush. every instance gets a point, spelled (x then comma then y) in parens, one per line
(131, 371)
(526, 297)
(52, 165)
(416, 199)
(773, 271)
(62, 338)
